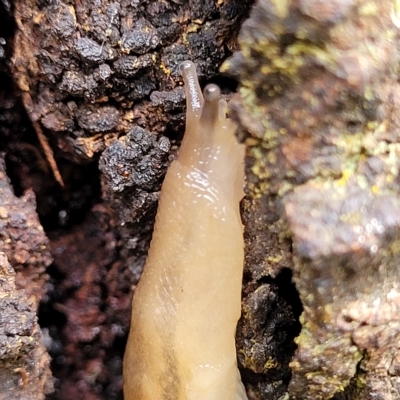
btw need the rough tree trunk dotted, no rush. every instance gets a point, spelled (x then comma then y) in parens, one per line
(316, 105)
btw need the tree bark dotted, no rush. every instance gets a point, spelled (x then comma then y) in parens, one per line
(318, 106)
(317, 109)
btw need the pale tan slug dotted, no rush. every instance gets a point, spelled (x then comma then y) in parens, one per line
(181, 344)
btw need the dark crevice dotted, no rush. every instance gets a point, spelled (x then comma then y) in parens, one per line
(57, 207)
(356, 385)
(287, 290)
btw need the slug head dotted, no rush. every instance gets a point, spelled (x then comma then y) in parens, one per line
(209, 144)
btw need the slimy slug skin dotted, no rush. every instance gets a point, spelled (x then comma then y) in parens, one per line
(181, 344)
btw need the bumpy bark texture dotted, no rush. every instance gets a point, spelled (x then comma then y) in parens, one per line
(92, 71)
(23, 240)
(318, 111)
(132, 170)
(24, 362)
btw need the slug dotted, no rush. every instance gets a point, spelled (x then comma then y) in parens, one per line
(181, 344)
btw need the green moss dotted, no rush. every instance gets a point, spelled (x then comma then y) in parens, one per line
(271, 364)
(281, 7)
(274, 259)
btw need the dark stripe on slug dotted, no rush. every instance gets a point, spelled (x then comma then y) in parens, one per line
(170, 383)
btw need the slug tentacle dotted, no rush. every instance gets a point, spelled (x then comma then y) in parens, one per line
(209, 144)
(191, 142)
(194, 97)
(210, 112)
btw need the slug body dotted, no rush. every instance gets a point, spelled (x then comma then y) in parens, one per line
(186, 306)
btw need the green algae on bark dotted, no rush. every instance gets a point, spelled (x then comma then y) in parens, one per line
(317, 110)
